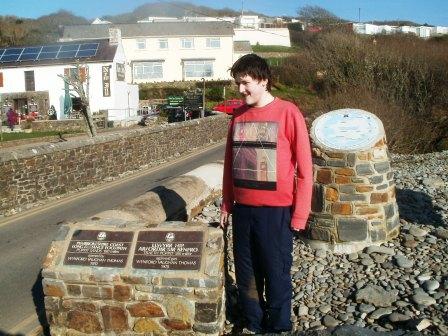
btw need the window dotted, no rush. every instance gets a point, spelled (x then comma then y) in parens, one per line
(187, 43)
(148, 70)
(198, 69)
(29, 81)
(1, 79)
(213, 42)
(141, 44)
(163, 44)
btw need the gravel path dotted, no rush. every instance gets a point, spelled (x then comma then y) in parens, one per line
(400, 288)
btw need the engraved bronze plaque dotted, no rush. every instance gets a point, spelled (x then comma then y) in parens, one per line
(169, 250)
(99, 248)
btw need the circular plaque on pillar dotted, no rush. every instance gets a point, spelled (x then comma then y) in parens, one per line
(347, 130)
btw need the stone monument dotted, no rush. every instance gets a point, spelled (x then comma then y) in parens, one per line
(132, 271)
(354, 201)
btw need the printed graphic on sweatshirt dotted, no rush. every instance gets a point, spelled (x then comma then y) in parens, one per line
(255, 155)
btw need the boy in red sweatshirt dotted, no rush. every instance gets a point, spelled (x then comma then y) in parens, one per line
(267, 188)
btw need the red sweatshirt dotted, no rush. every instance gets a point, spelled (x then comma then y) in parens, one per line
(268, 160)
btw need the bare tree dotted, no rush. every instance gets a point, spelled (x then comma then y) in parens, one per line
(76, 81)
(318, 15)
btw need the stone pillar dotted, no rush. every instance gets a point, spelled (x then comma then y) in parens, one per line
(354, 201)
(107, 277)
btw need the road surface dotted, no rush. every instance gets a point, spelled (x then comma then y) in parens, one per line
(24, 238)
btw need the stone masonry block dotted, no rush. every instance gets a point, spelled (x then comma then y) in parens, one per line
(347, 189)
(176, 324)
(324, 176)
(53, 287)
(345, 171)
(364, 169)
(207, 312)
(73, 290)
(148, 326)
(393, 223)
(353, 198)
(323, 234)
(174, 282)
(331, 194)
(363, 189)
(81, 305)
(114, 318)
(341, 209)
(207, 294)
(336, 163)
(179, 308)
(52, 303)
(122, 292)
(207, 328)
(382, 186)
(376, 198)
(351, 159)
(84, 322)
(382, 167)
(378, 235)
(145, 309)
(342, 180)
(172, 290)
(213, 264)
(389, 210)
(352, 229)
(211, 282)
(317, 201)
(377, 179)
(335, 155)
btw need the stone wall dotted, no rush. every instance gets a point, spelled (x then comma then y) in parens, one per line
(69, 125)
(37, 172)
(354, 197)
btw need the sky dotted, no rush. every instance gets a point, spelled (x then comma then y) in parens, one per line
(434, 12)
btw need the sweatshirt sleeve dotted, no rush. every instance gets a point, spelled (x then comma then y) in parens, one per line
(300, 145)
(227, 182)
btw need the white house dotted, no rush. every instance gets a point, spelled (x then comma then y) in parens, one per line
(264, 36)
(30, 78)
(424, 32)
(169, 51)
(248, 21)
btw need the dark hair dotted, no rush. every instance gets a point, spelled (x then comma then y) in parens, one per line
(254, 66)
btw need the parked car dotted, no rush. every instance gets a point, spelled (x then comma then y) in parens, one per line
(228, 106)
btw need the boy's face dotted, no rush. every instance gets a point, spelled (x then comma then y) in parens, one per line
(252, 90)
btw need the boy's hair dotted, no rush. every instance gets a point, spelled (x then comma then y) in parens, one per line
(254, 66)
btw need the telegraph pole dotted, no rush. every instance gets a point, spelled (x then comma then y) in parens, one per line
(359, 15)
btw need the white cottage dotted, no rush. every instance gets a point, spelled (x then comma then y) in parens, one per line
(169, 51)
(30, 78)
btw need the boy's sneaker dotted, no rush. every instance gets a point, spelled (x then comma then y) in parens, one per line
(246, 331)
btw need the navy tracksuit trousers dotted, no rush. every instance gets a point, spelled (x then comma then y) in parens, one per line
(262, 247)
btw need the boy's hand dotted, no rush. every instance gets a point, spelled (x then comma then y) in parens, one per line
(224, 222)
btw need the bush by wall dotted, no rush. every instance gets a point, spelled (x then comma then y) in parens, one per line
(400, 78)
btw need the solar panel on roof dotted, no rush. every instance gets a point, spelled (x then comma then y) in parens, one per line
(70, 47)
(9, 58)
(86, 53)
(32, 50)
(28, 57)
(66, 54)
(50, 48)
(49, 52)
(86, 46)
(47, 55)
(13, 51)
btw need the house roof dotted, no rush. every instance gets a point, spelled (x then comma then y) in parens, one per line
(146, 29)
(242, 47)
(105, 52)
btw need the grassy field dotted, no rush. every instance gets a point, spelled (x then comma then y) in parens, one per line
(22, 135)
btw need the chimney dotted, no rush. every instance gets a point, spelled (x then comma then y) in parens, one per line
(114, 35)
